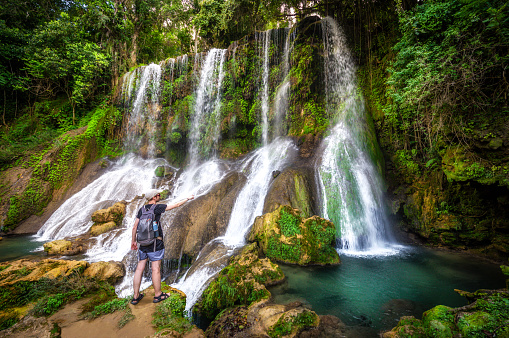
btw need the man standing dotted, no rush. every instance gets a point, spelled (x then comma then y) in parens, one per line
(153, 252)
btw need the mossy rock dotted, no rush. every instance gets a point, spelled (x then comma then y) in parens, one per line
(57, 247)
(164, 171)
(106, 271)
(242, 282)
(476, 324)
(439, 321)
(285, 236)
(408, 327)
(293, 322)
(115, 213)
(101, 228)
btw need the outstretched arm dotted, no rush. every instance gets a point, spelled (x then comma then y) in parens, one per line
(134, 245)
(178, 204)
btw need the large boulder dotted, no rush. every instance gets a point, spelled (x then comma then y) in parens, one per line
(57, 247)
(292, 187)
(262, 319)
(66, 247)
(115, 213)
(101, 228)
(242, 282)
(108, 271)
(202, 219)
(285, 236)
(108, 219)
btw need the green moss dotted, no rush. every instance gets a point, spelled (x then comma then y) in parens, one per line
(287, 324)
(170, 314)
(240, 283)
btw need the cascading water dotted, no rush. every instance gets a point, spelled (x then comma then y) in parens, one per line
(249, 203)
(265, 87)
(280, 105)
(145, 110)
(204, 133)
(350, 183)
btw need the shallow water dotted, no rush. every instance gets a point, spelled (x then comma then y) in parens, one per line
(375, 292)
(12, 248)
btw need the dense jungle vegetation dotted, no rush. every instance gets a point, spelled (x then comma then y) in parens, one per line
(434, 75)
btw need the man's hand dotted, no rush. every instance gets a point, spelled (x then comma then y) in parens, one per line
(190, 197)
(134, 246)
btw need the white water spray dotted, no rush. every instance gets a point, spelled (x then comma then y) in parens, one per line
(248, 205)
(350, 183)
(145, 110)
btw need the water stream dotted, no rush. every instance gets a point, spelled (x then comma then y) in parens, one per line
(352, 188)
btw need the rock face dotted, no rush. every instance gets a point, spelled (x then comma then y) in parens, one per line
(285, 236)
(292, 187)
(242, 282)
(108, 271)
(202, 219)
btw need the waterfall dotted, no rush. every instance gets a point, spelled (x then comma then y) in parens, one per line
(351, 185)
(280, 105)
(123, 182)
(204, 133)
(145, 110)
(265, 87)
(249, 204)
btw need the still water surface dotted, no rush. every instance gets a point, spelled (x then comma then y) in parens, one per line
(373, 292)
(12, 248)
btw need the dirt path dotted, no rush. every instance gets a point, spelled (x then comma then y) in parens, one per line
(107, 326)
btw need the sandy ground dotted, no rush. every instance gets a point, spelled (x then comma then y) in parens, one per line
(107, 326)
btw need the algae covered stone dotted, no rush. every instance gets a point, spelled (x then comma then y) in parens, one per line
(242, 282)
(58, 247)
(108, 271)
(108, 219)
(285, 236)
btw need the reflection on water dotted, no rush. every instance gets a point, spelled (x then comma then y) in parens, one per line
(12, 248)
(376, 291)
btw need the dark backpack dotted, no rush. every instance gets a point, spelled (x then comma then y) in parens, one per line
(147, 230)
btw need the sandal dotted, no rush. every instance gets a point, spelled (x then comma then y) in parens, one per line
(135, 301)
(161, 297)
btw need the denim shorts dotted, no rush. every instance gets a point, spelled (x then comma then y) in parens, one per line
(152, 256)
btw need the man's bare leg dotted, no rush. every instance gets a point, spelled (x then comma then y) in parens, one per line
(156, 277)
(137, 277)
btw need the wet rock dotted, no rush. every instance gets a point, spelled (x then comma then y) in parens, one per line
(57, 247)
(199, 221)
(66, 247)
(107, 271)
(108, 219)
(486, 315)
(291, 187)
(242, 282)
(164, 171)
(115, 213)
(101, 228)
(287, 237)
